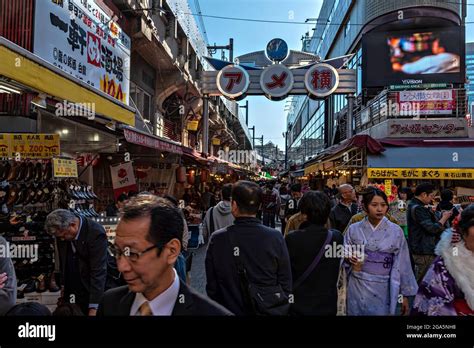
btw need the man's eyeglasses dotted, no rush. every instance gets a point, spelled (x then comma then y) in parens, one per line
(128, 253)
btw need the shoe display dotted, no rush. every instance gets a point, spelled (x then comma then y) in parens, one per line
(6, 171)
(53, 286)
(38, 173)
(13, 172)
(21, 172)
(21, 195)
(30, 171)
(12, 195)
(30, 286)
(48, 172)
(41, 283)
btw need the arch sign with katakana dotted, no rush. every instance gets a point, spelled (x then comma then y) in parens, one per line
(277, 74)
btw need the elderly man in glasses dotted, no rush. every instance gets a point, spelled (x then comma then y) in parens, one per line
(147, 244)
(82, 249)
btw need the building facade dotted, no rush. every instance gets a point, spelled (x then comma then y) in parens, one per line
(400, 97)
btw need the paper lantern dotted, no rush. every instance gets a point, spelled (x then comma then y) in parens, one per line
(191, 177)
(181, 174)
(204, 175)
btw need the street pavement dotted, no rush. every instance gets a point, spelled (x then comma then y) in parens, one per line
(198, 271)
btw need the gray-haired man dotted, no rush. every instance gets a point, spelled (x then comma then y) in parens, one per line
(82, 249)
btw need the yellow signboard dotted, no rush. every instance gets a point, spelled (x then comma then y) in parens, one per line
(388, 187)
(4, 145)
(29, 146)
(64, 168)
(421, 173)
(216, 141)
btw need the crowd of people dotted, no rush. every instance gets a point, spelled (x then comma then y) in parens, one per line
(338, 253)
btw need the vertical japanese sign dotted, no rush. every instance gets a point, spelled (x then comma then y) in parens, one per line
(78, 37)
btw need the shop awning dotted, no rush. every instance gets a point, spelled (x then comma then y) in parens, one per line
(297, 173)
(139, 138)
(24, 67)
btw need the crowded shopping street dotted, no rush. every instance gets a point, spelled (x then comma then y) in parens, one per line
(255, 158)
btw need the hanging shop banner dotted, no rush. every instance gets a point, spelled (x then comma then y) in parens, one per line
(123, 178)
(151, 142)
(29, 146)
(428, 102)
(81, 39)
(64, 168)
(420, 173)
(233, 81)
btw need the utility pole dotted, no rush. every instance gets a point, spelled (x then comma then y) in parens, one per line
(205, 125)
(230, 47)
(253, 136)
(246, 107)
(285, 135)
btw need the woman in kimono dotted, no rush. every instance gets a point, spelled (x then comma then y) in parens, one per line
(378, 264)
(448, 286)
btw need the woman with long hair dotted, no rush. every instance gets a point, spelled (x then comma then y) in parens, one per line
(379, 274)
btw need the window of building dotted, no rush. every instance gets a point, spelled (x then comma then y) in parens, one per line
(142, 100)
(347, 28)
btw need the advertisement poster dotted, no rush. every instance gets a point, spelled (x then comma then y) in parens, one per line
(80, 38)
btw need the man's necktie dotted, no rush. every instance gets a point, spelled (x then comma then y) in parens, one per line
(145, 309)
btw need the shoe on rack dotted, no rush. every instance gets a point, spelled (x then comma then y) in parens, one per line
(48, 172)
(41, 287)
(13, 172)
(30, 286)
(12, 195)
(30, 171)
(21, 172)
(53, 286)
(38, 173)
(4, 194)
(21, 196)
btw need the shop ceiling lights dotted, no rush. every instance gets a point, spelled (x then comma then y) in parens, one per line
(39, 101)
(8, 90)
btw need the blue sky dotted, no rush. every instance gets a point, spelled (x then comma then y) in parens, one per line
(268, 116)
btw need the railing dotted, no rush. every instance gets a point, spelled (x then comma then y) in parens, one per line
(171, 130)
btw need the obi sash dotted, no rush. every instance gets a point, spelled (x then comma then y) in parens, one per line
(378, 263)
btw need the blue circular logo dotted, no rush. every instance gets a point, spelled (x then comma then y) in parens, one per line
(277, 50)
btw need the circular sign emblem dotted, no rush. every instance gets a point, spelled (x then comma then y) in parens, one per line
(277, 50)
(233, 81)
(321, 80)
(276, 81)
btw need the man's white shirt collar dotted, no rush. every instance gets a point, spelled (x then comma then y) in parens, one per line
(163, 304)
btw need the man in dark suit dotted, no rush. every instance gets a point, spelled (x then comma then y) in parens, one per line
(82, 249)
(147, 244)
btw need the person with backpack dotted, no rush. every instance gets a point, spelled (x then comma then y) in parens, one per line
(424, 228)
(219, 216)
(247, 264)
(315, 272)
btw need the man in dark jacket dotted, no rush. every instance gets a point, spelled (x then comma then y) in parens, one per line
(291, 207)
(317, 293)
(262, 251)
(147, 244)
(341, 214)
(424, 229)
(82, 246)
(269, 205)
